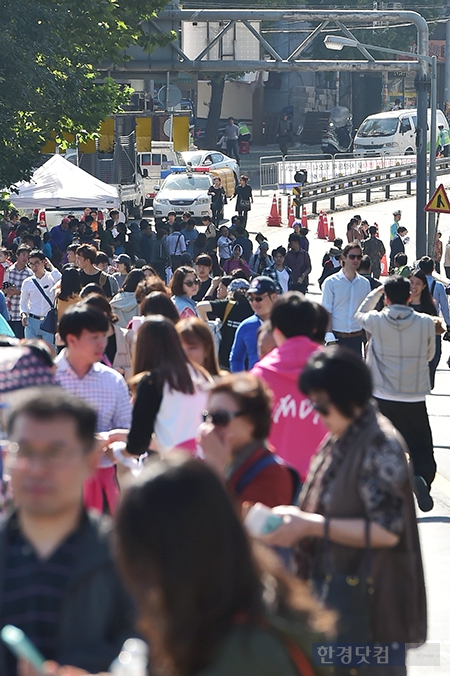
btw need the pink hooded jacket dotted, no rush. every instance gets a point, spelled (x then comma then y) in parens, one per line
(297, 430)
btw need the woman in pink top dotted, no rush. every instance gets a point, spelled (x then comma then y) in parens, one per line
(297, 430)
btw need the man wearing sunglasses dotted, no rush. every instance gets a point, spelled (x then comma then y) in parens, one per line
(244, 352)
(342, 294)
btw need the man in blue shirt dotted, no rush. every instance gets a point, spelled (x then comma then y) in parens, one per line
(244, 352)
(190, 233)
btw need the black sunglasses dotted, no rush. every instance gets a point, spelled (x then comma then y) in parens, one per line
(192, 283)
(220, 418)
(353, 256)
(255, 299)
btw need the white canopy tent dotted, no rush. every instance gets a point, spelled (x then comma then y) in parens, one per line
(59, 184)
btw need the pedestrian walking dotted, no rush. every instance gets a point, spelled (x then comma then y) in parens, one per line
(395, 225)
(84, 330)
(438, 252)
(169, 391)
(294, 323)
(244, 200)
(422, 301)
(374, 248)
(300, 263)
(342, 294)
(401, 346)
(184, 285)
(14, 277)
(56, 558)
(231, 133)
(234, 437)
(37, 297)
(355, 529)
(262, 294)
(284, 133)
(218, 200)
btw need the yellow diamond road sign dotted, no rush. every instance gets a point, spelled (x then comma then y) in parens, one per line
(439, 202)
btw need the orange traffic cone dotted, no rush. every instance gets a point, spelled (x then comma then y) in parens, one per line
(320, 228)
(325, 224)
(377, 234)
(384, 267)
(304, 218)
(291, 217)
(274, 217)
(331, 233)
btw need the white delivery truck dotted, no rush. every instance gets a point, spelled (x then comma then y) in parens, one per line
(391, 133)
(156, 166)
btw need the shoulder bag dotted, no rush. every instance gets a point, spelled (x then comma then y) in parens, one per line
(49, 323)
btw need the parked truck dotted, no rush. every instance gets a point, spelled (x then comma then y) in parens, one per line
(156, 165)
(121, 168)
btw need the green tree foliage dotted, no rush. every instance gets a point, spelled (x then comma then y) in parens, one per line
(49, 50)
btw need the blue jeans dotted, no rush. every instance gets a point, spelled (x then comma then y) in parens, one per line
(33, 330)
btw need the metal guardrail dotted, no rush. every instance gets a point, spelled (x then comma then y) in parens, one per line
(312, 193)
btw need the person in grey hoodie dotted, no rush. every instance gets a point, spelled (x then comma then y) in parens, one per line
(401, 345)
(124, 303)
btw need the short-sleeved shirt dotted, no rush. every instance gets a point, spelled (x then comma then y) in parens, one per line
(15, 277)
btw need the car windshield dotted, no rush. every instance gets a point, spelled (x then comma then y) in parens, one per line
(184, 182)
(378, 127)
(195, 159)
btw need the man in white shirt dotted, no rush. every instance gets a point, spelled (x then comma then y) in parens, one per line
(342, 294)
(34, 306)
(84, 329)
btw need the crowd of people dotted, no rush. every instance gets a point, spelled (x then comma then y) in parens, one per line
(182, 378)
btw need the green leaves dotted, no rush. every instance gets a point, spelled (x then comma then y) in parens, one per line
(49, 52)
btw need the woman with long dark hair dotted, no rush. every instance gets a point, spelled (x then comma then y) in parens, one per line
(422, 301)
(169, 398)
(244, 196)
(207, 603)
(69, 289)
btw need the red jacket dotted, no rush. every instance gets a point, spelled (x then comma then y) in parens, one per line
(272, 485)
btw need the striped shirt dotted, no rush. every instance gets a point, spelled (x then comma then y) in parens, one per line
(33, 590)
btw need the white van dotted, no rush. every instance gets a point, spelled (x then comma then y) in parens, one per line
(392, 133)
(158, 164)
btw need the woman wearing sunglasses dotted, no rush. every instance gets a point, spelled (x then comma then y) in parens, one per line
(184, 285)
(356, 520)
(169, 391)
(233, 439)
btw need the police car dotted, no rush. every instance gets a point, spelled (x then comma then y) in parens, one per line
(186, 189)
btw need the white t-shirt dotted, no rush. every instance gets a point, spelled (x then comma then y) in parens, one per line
(283, 279)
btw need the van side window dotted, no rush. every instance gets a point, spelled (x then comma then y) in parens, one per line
(405, 125)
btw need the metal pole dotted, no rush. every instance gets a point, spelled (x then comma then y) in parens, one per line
(447, 69)
(167, 90)
(433, 134)
(421, 142)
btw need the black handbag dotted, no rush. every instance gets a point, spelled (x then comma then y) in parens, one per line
(51, 319)
(349, 595)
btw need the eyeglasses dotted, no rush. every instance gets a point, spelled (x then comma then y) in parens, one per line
(322, 409)
(354, 256)
(220, 418)
(189, 282)
(256, 299)
(21, 457)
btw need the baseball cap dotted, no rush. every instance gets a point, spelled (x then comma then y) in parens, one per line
(123, 258)
(65, 220)
(238, 285)
(397, 212)
(262, 285)
(264, 245)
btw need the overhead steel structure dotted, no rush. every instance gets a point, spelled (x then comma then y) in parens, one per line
(174, 59)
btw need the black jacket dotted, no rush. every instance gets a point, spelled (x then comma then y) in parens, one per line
(397, 246)
(96, 615)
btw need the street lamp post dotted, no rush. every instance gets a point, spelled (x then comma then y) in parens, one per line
(337, 43)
